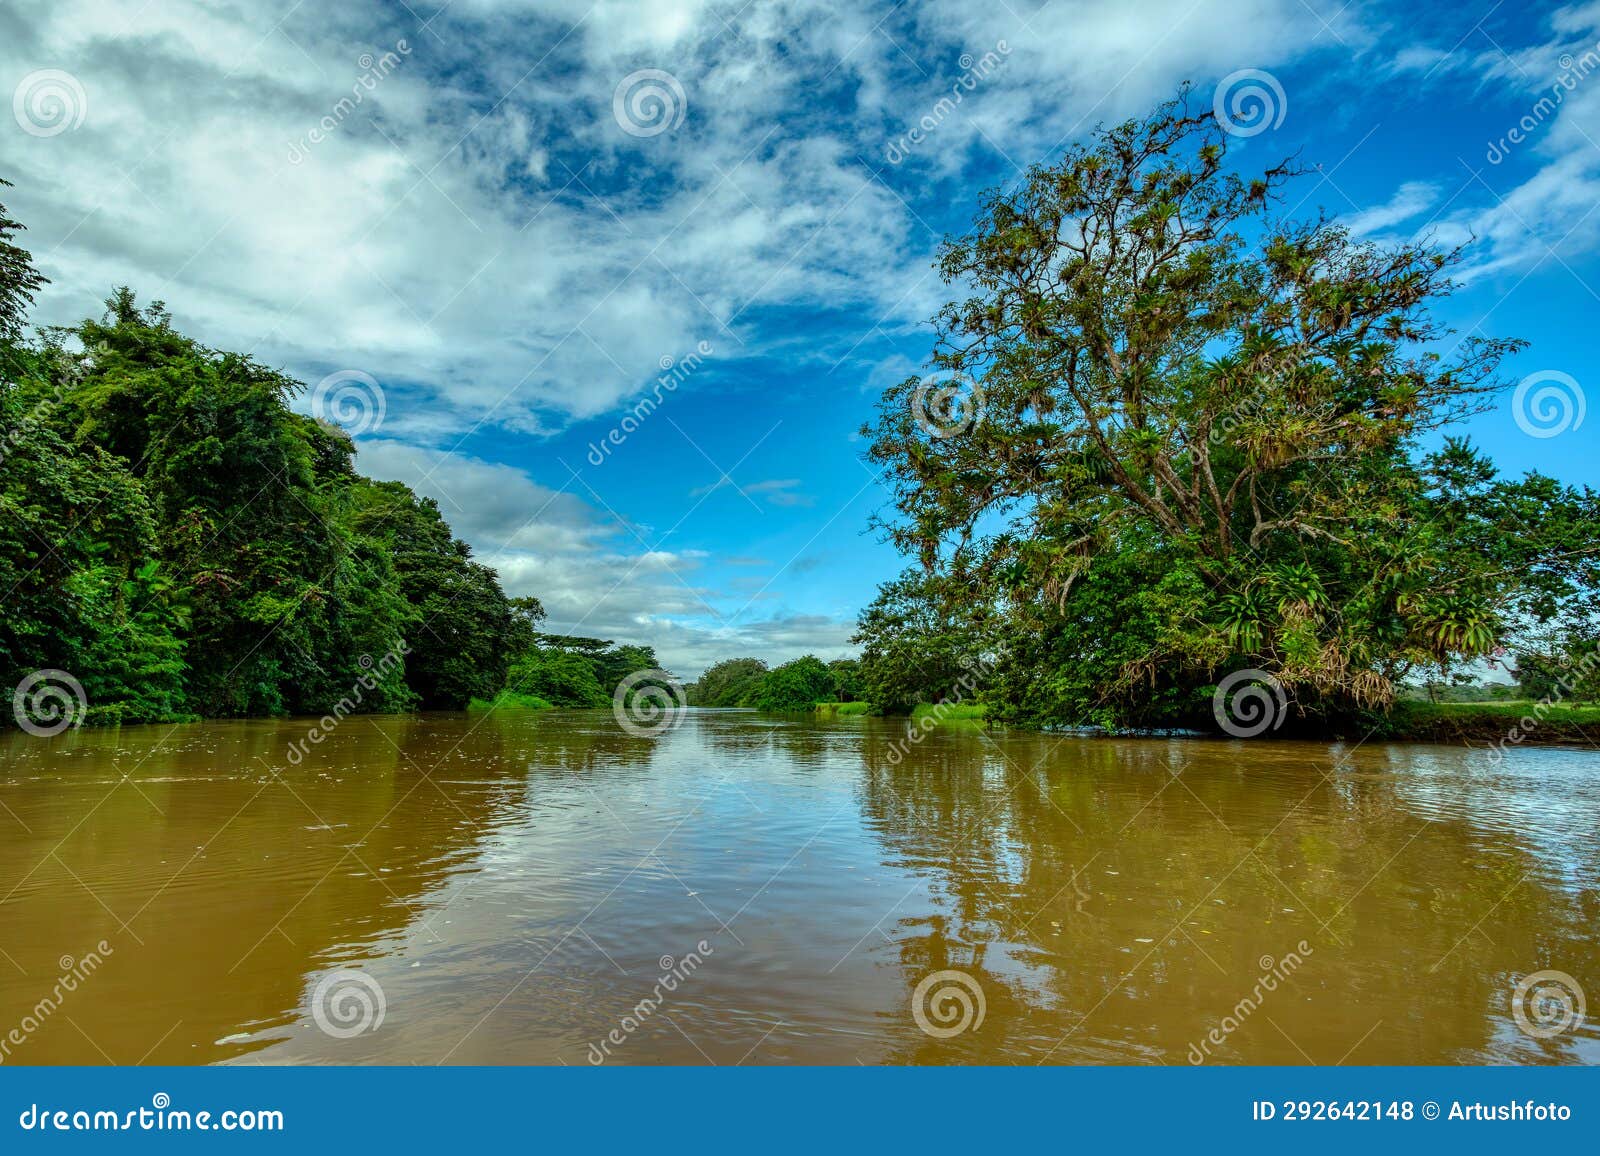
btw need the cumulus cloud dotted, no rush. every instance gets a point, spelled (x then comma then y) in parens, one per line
(1528, 196)
(474, 226)
(597, 576)
(463, 205)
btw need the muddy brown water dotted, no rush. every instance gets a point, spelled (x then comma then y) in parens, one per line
(547, 888)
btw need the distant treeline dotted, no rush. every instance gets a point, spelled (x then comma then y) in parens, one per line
(795, 686)
(567, 671)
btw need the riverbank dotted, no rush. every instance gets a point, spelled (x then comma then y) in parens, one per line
(1497, 724)
(513, 700)
(844, 709)
(970, 711)
(1502, 724)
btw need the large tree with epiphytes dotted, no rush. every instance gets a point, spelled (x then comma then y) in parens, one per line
(1176, 433)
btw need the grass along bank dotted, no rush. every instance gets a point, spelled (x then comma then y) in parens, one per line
(512, 700)
(844, 709)
(1502, 723)
(948, 711)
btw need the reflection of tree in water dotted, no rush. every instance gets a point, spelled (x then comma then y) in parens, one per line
(1202, 871)
(580, 742)
(797, 739)
(242, 874)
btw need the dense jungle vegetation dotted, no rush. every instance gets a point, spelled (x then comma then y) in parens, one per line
(1169, 436)
(185, 545)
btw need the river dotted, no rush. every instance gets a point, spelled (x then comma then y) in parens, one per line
(547, 888)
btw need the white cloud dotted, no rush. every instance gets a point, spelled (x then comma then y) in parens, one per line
(596, 576)
(480, 229)
(1409, 200)
(479, 234)
(1513, 218)
(778, 491)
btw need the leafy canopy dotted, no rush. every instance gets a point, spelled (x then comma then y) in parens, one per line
(1189, 440)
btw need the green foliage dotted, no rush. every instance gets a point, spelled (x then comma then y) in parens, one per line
(951, 710)
(844, 709)
(1571, 675)
(84, 590)
(564, 658)
(613, 665)
(795, 686)
(526, 615)
(19, 280)
(464, 625)
(1199, 450)
(1461, 688)
(848, 685)
(1497, 726)
(920, 641)
(733, 682)
(184, 544)
(801, 685)
(560, 677)
(511, 700)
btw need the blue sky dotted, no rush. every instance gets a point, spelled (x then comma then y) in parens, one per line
(533, 207)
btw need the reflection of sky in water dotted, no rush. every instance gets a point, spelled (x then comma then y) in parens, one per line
(1112, 898)
(1507, 1042)
(1548, 799)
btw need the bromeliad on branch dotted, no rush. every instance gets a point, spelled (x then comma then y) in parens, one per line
(1204, 421)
